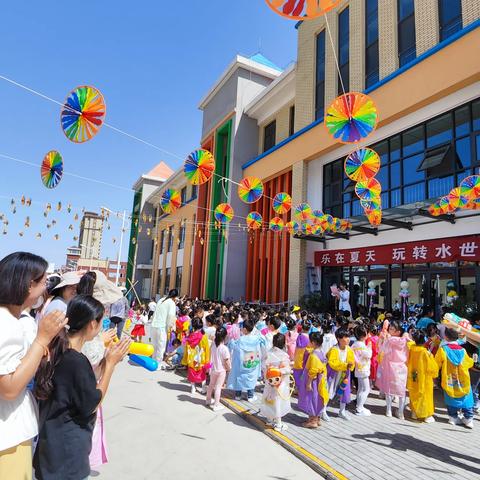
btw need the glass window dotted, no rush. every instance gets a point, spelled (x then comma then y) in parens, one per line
(346, 210)
(337, 171)
(382, 177)
(181, 240)
(467, 284)
(385, 201)
(356, 208)
(477, 141)
(178, 278)
(410, 173)
(406, 31)
(464, 152)
(291, 120)
(269, 136)
(395, 198)
(438, 187)
(395, 175)
(395, 148)
(170, 239)
(183, 195)
(462, 121)
(320, 81)
(167, 280)
(371, 43)
(344, 48)
(463, 175)
(476, 115)
(450, 17)
(439, 130)
(413, 141)
(194, 191)
(414, 193)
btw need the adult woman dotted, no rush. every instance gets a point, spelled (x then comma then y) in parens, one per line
(22, 282)
(163, 320)
(64, 292)
(344, 299)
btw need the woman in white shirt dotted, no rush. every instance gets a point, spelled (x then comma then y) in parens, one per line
(22, 282)
(344, 297)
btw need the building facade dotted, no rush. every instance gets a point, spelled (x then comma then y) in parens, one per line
(91, 231)
(418, 61)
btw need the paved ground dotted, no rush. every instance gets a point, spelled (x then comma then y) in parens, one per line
(157, 430)
(378, 447)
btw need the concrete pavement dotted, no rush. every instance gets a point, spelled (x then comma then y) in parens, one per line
(157, 430)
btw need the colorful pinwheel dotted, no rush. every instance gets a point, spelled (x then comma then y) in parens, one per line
(325, 222)
(302, 9)
(51, 169)
(372, 204)
(306, 228)
(472, 205)
(282, 203)
(345, 225)
(362, 164)
(368, 190)
(224, 213)
(375, 217)
(254, 220)
(276, 224)
(303, 211)
(317, 229)
(292, 226)
(199, 167)
(336, 225)
(83, 113)
(456, 199)
(170, 200)
(445, 205)
(317, 216)
(351, 117)
(250, 189)
(470, 187)
(435, 210)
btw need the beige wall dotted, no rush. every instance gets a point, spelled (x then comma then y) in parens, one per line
(282, 118)
(471, 11)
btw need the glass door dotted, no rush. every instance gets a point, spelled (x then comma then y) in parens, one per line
(441, 283)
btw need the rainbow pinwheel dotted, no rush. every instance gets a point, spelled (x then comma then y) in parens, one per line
(199, 167)
(336, 225)
(303, 211)
(456, 199)
(372, 204)
(302, 9)
(325, 222)
(345, 225)
(317, 216)
(83, 113)
(472, 205)
(435, 210)
(306, 228)
(250, 189)
(362, 164)
(51, 169)
(254, 220)
(276, 224)
(445, 204)
(368, 190)
(351, 117)
(224, 213)
(282, 203)
(470, 187)
(170, 200)
(292, 226)
(375, 217)
(317, 229)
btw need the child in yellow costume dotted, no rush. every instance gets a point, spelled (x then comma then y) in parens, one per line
(422, 369)
(454, 363)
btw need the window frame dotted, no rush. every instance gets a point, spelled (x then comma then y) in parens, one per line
(272, 133)
(405, 56)
(372, 76)
(320, 75)
(344, 66)
(447, 29)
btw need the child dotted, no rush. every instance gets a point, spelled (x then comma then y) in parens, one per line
(210, 329)
(233, 330)
(392, 370)
(70, 395)
(329, 339)
(422, 369)
(174, 358)
(314, 397)
(182, 325)
(220, 360)
(273, 325)
(300, 349)
(291, 338)
(434, 339)
(372, 343)
(246, 354)
(454, 363)
(341, 361)
(276, 394)
(196, 356)
(363, 356)
(139, 320)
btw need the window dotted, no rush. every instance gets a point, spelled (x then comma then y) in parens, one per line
(194, 191)
(344, 50)
(170, 238)
(181, 240)
(270, 132)
(450, 17)
(291, 121)
(193, 229)
(371, 43)
(320, 80)
(422, 163)
(406, 31)
(183, 195)
(167, 280)
(178, 278)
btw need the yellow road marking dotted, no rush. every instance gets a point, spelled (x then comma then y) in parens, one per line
(287, 440)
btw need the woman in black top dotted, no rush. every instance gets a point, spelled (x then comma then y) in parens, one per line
(69, 394)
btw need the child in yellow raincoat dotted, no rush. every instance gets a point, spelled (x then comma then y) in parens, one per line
(422, 369)
(454, 363)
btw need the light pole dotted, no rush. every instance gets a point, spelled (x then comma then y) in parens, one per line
(117, 214)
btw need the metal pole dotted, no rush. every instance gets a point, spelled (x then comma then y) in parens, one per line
(120, 248)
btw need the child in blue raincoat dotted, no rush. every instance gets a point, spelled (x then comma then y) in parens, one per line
(246, 362)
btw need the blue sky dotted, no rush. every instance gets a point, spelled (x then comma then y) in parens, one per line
(152, 60)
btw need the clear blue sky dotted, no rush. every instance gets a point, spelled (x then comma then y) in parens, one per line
(152, 60)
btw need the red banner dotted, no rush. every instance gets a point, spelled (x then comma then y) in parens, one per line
(421, 251)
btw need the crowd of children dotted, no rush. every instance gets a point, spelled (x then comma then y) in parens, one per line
(321, 360)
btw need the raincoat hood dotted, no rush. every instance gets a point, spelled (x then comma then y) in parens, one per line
(455, 353)
(195, 338)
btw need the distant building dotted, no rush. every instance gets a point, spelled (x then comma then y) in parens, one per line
(73, 256)
(144, 215)
(91, 231)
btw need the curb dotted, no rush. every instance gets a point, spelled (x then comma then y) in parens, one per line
(315, 463)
